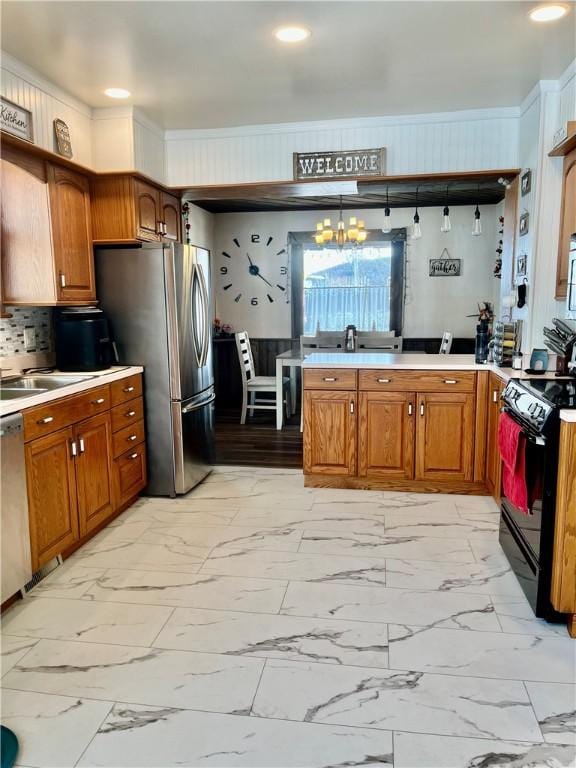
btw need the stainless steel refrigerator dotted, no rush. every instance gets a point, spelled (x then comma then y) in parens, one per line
(158, 300)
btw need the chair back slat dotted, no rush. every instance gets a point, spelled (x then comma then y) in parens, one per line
(245, 355)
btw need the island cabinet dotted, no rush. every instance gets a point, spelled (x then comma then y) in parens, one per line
(127, 209)
(563, 592)
(47, 254)
(85, 461)
(493, 460)
(392, 428)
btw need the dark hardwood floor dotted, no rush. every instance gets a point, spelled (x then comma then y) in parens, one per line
(258, 443)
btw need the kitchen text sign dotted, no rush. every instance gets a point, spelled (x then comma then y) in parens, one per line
(330, 165)
(16, 120)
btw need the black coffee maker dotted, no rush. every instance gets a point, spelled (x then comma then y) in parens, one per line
(83, 340)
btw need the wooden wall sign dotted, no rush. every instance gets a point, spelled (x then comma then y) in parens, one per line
(330, 165)
(16, 120)
(63, 143)
(445, 267)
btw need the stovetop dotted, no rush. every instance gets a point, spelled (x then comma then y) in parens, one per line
(537, 402)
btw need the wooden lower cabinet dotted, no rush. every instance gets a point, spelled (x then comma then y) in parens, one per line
(563, 592)
(445, 436)
(94, 482)
(493, 460)
(52, 499)
(386, 435)
(330, 432)
(82, 472)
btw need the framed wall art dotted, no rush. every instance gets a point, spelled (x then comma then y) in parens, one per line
(16, 120)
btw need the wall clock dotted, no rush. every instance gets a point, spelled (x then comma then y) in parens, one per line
(255, 270)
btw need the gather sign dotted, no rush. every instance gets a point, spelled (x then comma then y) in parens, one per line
(329, 165)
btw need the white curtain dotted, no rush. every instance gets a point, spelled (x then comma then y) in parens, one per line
(332, 309)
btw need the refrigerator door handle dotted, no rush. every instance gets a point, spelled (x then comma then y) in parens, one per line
(197, 317)
(206, 308)
(197, 406)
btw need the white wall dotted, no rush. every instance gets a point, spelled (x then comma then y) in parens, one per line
(432, 304)
(453, 141)
(30, 90)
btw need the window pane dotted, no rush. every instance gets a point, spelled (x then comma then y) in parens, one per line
(348, 287)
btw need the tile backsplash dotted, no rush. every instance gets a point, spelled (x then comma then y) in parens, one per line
(37, 319)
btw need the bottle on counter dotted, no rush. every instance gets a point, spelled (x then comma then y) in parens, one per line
(482, 339)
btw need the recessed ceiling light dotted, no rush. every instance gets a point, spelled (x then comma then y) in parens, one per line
(291, 34)
(117, 93)
(549, 12)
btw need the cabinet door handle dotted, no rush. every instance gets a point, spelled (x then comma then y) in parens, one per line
(409, 409)
(450, 381)
(131, 438)
(130, 413)
(351, 406)
(73, 448)
(98, 401)
(495, 396)
(62, 280)
(329, 378)
(421, 409)
(81, 442)
(134, 455)
(383, 381)
(45, 420)
(128, 389)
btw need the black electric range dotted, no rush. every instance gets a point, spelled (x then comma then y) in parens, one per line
(528, 539)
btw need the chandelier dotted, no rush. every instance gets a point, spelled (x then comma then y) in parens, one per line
(354, 235)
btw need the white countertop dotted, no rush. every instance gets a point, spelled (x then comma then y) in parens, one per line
(97, 379)
(569, 416)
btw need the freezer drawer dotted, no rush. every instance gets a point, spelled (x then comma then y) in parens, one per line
(193, 429)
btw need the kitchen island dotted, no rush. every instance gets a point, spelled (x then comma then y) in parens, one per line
(409, 422)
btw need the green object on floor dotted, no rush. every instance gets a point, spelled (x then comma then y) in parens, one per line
(8, 747)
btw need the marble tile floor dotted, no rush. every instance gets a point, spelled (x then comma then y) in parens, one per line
(259, 623)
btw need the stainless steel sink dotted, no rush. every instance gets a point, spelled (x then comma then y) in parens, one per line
(45, 382)
(8, 393)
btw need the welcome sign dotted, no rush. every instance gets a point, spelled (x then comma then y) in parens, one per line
(330, 165)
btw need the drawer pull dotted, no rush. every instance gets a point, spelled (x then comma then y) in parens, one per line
(351, 406)
(134, 455)
(62, 280)
(495, 396)
(409, 409)
(130, 413)
(450, 381)
(81, 441)
(330, 378)
(132, 438)
(383, 381)
(98, 401)
(45, 420)
(421, 409)
(73, 448)
(128, 389)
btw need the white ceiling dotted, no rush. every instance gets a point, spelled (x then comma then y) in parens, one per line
(212, 64)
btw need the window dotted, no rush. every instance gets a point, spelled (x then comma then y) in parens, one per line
(361, 286)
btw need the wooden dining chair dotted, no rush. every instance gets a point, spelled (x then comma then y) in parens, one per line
(252, 385)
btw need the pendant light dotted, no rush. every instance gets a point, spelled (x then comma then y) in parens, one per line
(477, 228)
(416, 229)
(446, 224)
(387, 228)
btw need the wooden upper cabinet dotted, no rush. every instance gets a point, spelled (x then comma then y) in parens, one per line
(72, 235)
(46, 237)
(51, 478)
(567, 223)
(445, 436)
(147, 202)
(493, 459)
(329, 432)
(170, 217)
(94, 478)
(126, 209)
(386, 435)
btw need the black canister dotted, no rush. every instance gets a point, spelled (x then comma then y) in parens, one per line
(482, 338)
(83, 341)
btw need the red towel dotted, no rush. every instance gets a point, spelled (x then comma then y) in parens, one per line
(512, 445)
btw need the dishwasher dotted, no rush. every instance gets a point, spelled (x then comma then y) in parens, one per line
(16, 570)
